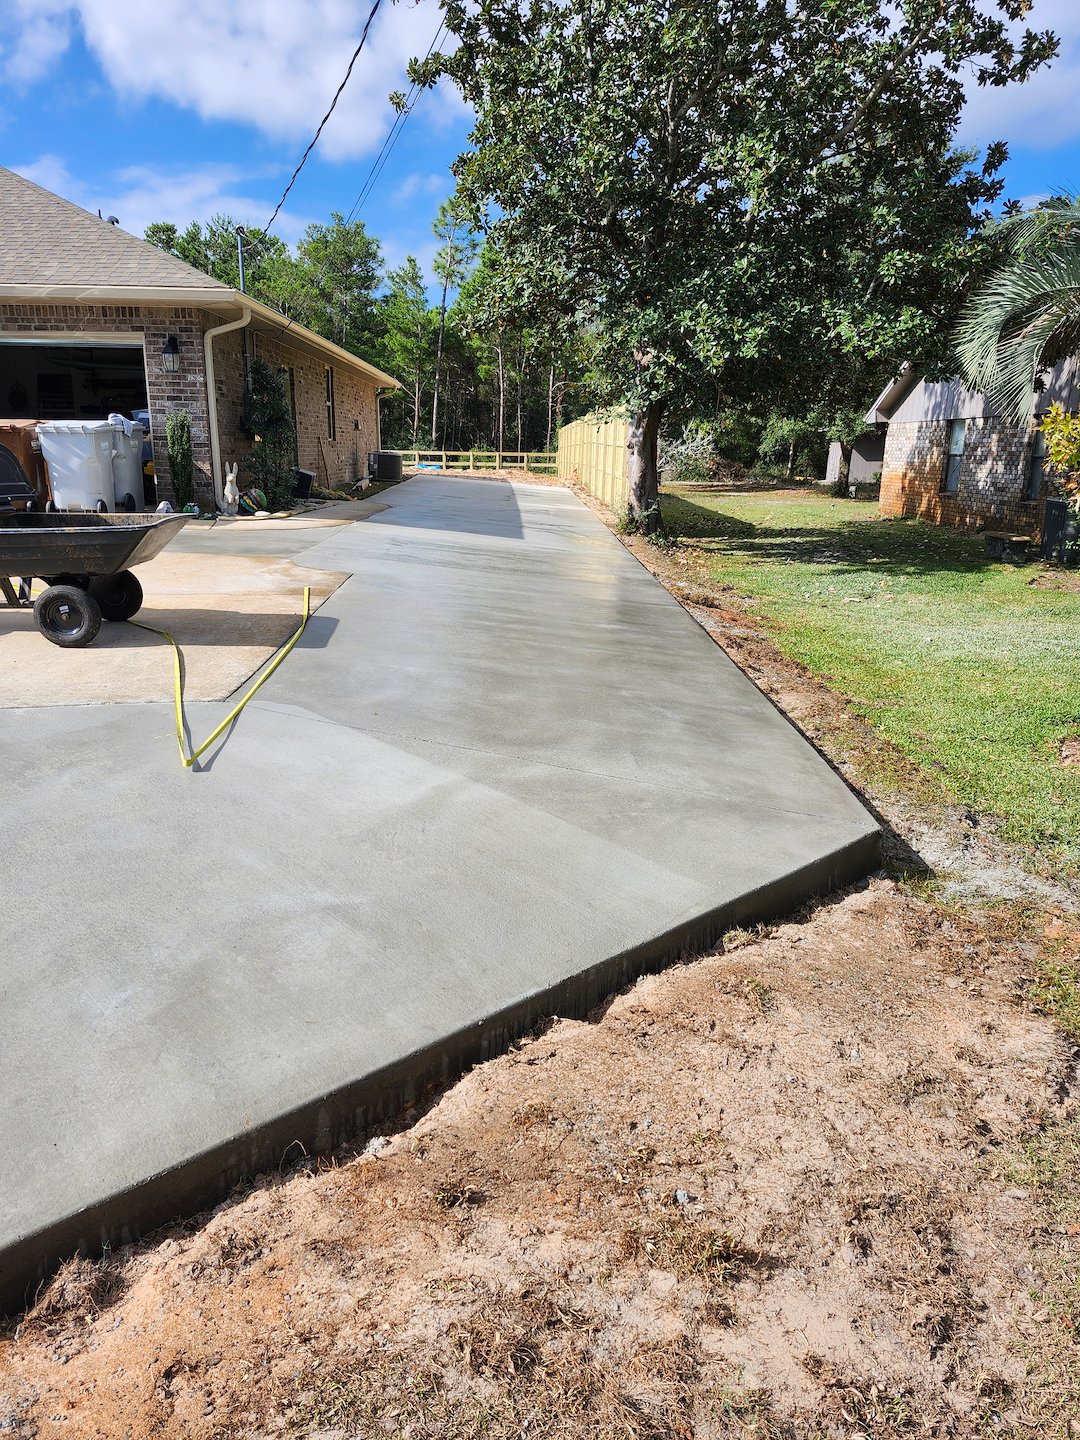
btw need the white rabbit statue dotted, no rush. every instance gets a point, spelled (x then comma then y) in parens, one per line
(232, 490)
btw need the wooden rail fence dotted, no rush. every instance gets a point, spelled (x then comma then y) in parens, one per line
(531, 462)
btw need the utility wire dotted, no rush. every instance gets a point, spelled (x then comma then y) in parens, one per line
(379, 163)
(326, 117)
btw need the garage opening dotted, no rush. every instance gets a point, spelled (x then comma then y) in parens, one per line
(70, 381)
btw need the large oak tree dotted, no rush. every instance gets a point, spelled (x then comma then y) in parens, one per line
(735, 197)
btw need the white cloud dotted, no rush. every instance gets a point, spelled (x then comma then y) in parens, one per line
(1029, 202)
(138, 195)
(397, 248)
(36, 33)
(50, 172)
(274, 65)
(422, 186)
(1043, 112)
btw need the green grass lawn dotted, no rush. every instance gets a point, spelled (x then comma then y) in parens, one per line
(966, 666)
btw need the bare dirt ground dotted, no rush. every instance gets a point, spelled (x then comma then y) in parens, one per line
(824, 1182)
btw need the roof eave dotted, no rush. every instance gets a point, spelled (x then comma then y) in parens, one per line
(218, 298)
(269, 316)
(897, 390)
(211, 295)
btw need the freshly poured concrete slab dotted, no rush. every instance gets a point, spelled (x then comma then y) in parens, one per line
(503, 772)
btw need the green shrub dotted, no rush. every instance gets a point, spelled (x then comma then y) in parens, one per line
(1062, 433)
(181, 465)
(270, 464)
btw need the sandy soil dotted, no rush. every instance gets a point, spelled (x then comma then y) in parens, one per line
(789, 1189)
(766, 1188)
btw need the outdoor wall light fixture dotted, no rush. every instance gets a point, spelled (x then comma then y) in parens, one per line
(170, 355)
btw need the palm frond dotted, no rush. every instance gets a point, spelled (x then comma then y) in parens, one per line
(1054, 214)
(1024, 319)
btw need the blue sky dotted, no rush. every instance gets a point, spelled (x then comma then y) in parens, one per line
(177, 109)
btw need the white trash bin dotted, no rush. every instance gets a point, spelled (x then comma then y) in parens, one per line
(127, 465)
(79, 454)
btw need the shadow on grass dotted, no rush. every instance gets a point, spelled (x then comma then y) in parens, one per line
(863, 542)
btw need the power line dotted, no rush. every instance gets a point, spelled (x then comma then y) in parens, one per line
(326, 117)
(379, 163)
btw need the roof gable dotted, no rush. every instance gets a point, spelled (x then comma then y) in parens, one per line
(48, 241)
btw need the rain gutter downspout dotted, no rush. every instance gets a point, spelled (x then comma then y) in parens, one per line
(211, 400)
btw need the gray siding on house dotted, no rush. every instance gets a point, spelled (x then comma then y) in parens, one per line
(867, 455)
(939, 400)
(948, 399)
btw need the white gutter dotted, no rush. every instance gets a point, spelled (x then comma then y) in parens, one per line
(211, 400)
(208, 295)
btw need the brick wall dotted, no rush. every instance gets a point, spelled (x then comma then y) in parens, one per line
(334, 462)
(993, 474)
(147, 325)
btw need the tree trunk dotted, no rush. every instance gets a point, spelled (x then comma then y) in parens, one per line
(551, 405)
(643, 474)
(502, 394)
(844, 468)
(442, 331)
(417, 369)
(791, 462)
(520, 382)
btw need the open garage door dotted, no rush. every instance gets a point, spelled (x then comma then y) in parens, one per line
(70, 380)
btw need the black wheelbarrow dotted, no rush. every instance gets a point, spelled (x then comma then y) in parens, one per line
(85, 560)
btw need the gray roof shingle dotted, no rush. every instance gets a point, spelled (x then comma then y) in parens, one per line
(47, 241)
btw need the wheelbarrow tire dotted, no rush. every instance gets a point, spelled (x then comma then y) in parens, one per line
(68, 616)
(119, 597)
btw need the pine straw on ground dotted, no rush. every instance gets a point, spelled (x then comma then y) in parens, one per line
(769, 1193)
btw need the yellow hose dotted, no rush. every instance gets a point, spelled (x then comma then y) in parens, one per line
(178, 694)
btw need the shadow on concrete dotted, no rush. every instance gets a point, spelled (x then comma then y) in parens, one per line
(476, 507)
(192, 629)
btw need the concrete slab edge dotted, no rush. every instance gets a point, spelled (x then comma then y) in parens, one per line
(331, 1121)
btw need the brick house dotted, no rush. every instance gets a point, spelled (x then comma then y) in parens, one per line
(93, 320)
(950, 459)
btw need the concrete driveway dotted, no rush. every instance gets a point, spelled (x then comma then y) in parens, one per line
(503, 772)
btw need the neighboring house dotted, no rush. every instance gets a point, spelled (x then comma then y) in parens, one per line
(950, 459)
(93, 320)
(864, 461)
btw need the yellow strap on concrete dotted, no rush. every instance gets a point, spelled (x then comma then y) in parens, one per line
(178, 694)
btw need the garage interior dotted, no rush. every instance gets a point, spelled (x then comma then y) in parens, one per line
(70, 381)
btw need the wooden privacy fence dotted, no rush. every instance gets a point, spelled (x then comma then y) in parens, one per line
(593, 452)
(535, 462)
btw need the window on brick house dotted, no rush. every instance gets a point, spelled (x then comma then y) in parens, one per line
(331, 418)
(1036, 466)
(950, 480)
